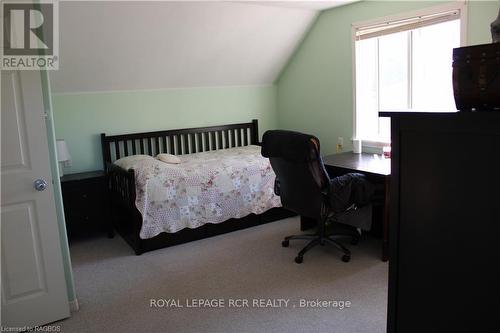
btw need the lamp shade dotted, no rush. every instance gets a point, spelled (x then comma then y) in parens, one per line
(62, 151)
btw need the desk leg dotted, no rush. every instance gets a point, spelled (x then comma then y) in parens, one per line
(307, 223)
(385, 226)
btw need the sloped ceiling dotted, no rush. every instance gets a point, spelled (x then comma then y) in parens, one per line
(109, 46)
(306, 4)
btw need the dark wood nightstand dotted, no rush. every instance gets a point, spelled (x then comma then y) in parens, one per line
(86, 204)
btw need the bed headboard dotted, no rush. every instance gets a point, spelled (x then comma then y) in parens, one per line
(179, 141)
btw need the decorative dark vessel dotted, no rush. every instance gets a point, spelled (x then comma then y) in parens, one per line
(495, 29)
(476, 77)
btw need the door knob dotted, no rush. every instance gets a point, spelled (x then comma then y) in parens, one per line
(40, 184)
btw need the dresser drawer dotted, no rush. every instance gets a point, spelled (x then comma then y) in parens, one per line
(83, 200)
(85, 203)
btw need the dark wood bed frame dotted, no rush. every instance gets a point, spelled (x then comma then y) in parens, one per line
(127, 220)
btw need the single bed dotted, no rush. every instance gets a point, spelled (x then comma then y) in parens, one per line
(222, 184)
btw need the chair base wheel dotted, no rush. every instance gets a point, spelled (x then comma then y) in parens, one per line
(285, 243)
(346, 258)
(299, 260)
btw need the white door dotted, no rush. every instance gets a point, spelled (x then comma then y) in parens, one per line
(33, 285)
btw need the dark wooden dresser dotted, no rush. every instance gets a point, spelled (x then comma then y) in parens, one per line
(85, 204)
(445, 223)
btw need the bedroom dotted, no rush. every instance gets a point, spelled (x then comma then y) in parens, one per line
(154, 67)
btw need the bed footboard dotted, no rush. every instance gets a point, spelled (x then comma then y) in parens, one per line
(121, 183)
(126, 219)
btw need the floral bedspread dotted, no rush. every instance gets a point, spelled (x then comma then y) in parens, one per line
(208, 187)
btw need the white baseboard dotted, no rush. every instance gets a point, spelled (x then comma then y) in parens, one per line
(73, 305)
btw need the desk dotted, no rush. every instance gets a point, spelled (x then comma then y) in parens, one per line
(377, 169)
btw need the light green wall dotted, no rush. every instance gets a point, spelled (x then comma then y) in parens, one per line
(313, 93)
(481, 14)
(80, 118)
(315, 89)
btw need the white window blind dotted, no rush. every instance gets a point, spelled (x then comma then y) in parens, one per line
(411, 23)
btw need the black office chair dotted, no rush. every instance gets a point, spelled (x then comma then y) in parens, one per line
(305, 187)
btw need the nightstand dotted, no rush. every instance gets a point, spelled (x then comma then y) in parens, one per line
(86, 206)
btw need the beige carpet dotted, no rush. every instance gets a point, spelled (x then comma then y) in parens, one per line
(115, 287)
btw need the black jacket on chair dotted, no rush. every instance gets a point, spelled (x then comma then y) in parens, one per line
(349, 189)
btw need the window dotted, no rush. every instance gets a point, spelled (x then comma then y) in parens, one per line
(403, 65)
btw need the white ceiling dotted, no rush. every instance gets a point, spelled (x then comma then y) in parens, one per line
(108, 46)
(301, 4)
(311, 4)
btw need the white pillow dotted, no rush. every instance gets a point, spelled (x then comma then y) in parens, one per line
(128, 162)
(168, 158)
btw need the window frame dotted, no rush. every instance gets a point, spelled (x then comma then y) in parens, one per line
(460, 6)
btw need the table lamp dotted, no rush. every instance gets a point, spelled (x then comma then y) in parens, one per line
(63, 156)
